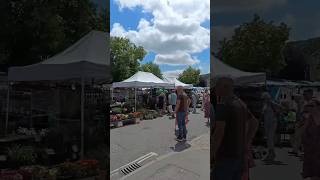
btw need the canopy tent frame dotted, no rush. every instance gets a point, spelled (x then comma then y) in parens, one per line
(8, 108)
(141, 80)
(220, 69)
(87, 56)
(176, 83)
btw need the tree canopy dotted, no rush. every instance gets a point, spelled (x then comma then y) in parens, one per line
(256, 46)
(152, 68)
(190, 76)
(125, 57)
(32, 31)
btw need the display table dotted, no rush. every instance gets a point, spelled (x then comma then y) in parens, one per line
(14, 138)
(122, 122)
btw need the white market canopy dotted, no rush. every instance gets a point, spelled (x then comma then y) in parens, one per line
(277, 83)
(87, 58)
(288, 83)
(240, 77)
(176, 82)
(141, 80)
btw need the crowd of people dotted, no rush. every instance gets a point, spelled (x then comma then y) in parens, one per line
(234, 129)
(178, 103)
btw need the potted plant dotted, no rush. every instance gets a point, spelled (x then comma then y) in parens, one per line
(89, 167)
(20, 156)
(69, 170)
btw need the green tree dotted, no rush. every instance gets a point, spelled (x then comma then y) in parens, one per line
(34, 30)
(152, 68)
(190, 76)
(125, 57)
(256, 46)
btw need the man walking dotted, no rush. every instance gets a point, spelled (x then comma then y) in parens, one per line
(182, 110)
(234, 129)
(173, 101)
(270, 117)
(194, 102)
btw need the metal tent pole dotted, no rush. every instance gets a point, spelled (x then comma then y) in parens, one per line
(82, 118)
(31, 108)
(8, 108)
(135, 99)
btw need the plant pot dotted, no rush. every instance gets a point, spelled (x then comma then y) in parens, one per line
(37, 138)
(137, 120)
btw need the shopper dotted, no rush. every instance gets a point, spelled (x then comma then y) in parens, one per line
(311, 139)
(207, 104)
(296, 140)
(251, 129)
(232, 134)
(161, 102)
(194, 102)
(202, 100)
(182, 110)
(173, 101)
(270, 114)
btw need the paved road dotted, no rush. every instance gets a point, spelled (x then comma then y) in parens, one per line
(131, 142)
(285, 167)
(190, 164)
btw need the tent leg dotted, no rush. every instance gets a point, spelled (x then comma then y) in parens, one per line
(135, 99)
(31, 108)
(82, 118)
(8, 108)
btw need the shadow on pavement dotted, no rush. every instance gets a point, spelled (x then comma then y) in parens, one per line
(180, 146)
(279, 163)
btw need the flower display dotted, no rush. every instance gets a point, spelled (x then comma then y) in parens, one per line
(32, 132)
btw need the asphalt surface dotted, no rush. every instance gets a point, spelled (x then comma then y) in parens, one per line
(190, 164)
(131, 142)
(284, 167)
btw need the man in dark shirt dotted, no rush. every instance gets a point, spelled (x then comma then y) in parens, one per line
(233, 132)
(182, 107)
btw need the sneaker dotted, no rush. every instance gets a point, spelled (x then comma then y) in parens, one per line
(184, 139)
(179, 139)
(270, 157)
(293, 153)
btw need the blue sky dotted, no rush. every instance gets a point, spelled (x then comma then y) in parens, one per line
(129, 17)
(301, 16)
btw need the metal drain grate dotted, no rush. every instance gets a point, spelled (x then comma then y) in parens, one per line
(133, 166)
(130, 168)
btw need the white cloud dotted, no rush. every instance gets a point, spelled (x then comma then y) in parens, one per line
(244, 5)
(118, 30)
(174, 73)
(179, 58)
(175, 28)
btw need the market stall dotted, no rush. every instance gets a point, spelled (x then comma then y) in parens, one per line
(140, 80)
(81, 65)
(176, 82)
